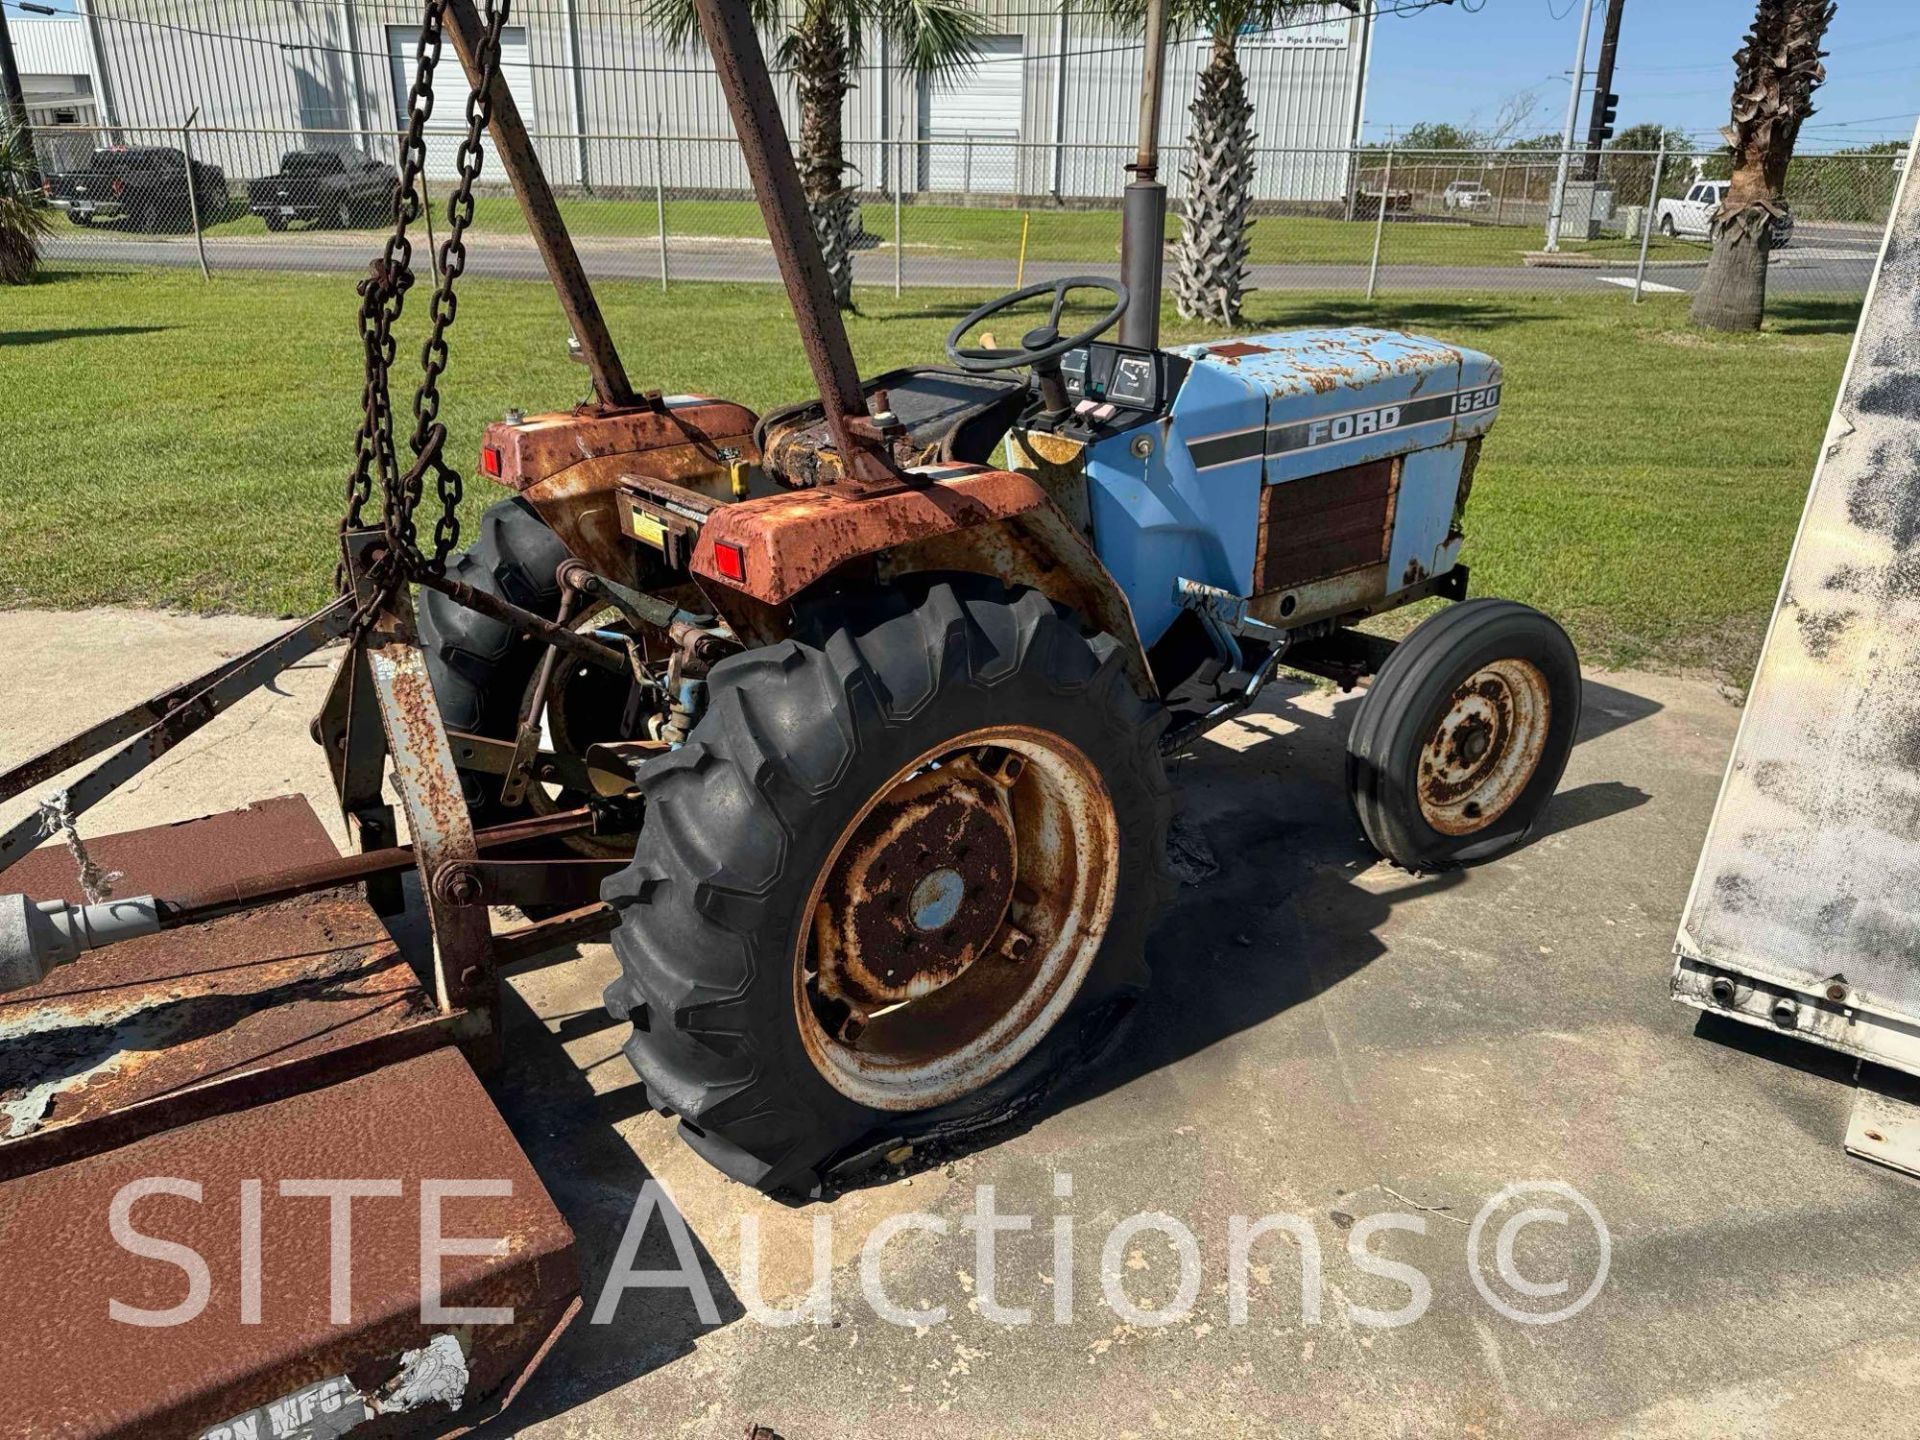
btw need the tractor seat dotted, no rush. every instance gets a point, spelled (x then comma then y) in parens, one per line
(949, 415)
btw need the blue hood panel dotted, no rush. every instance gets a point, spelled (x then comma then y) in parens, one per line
(1182, 496)
(1342, 397)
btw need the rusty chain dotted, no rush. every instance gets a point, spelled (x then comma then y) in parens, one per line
(382, 298)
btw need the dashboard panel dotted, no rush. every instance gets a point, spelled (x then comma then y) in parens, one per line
(1104, 374)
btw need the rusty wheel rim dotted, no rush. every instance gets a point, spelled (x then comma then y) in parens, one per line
(956, 917)
(1485, 747)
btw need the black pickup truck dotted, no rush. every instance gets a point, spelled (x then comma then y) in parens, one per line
(326, 187)
(143, 185)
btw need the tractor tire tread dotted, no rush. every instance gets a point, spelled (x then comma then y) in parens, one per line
(1384, 742)
(480, 666)
(737, 818)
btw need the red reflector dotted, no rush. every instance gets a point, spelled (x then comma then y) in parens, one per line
(490, 460)
(730, 560)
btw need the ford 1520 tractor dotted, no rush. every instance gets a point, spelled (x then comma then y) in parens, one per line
(851, 738)
(898, 714)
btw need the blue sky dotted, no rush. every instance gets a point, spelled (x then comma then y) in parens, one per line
(1675, 65)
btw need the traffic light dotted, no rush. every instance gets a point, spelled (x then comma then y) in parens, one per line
(1608, 107)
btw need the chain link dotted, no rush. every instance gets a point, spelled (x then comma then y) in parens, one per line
(382, 298)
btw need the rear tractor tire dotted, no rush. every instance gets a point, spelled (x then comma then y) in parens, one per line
(897, 881)
(1464, 734)
(481, 667)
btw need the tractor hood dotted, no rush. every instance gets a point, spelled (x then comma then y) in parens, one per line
(1312, 400)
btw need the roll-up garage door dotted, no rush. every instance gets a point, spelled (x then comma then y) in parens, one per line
(449, 122)
(970, 119)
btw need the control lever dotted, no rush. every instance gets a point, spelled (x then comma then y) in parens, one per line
(1053, 382)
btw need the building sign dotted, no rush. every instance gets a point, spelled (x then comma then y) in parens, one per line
(1310, 27)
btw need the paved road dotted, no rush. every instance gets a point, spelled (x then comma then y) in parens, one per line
(1823, 261)
(1325, 1039)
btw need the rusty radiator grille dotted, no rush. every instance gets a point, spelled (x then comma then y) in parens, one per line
(1322, 525)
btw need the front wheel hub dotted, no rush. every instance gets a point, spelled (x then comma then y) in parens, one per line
(1485, 748)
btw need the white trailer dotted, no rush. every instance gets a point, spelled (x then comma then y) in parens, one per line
(1805, 911)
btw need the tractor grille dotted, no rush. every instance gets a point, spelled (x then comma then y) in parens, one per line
(1322, 525)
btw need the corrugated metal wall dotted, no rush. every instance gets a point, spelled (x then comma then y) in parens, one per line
(599, 77)
(49, 47)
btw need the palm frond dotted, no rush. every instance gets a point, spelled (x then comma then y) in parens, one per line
(934, 37)
(679, 23)
(24, 220)
(1213, 17)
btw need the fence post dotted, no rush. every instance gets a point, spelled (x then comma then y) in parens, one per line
(899, 184)
(1646, 221)
(577, 94)
(1380, 224)
(193, 193)
(966, 170)
(1060, 43)
(660, 203)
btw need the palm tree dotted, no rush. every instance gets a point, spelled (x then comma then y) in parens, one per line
(1776, 73)
(23, 213)
(822, 42)
(1210, 257)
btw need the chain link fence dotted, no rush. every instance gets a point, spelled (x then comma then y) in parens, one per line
(957, 212)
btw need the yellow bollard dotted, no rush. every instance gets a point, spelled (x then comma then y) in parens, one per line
(1020, 275)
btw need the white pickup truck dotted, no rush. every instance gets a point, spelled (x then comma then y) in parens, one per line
(1691, 215)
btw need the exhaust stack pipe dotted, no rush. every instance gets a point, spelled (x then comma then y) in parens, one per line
(1143, 209)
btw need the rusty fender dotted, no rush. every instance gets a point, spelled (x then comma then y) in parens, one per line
(963, 517)
(566, 464)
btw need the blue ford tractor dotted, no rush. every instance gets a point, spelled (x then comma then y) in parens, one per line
(898, 714)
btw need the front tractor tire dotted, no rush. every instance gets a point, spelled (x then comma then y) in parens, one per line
(898, 879)
(1464, 734)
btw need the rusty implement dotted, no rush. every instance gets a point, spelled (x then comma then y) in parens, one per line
(293, 1043)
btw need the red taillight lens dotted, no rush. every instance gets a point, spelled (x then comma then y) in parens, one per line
(490, 460)
(731, 561)
(119, 187)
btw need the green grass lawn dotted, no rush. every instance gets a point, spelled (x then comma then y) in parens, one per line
(175, 443)
(1051, 234)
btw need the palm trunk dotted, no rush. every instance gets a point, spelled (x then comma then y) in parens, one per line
(820, 58)
(1210, 260)
(1778, 70)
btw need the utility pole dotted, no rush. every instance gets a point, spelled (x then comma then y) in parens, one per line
(1566, 136)
(1600, 123)
(11, 95)
(13, 101)
(1366, 13)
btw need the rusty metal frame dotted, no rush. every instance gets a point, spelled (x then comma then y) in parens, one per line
(742, 69)
(379, 706)
(157, 724)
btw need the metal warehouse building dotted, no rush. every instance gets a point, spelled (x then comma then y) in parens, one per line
(1048, 110)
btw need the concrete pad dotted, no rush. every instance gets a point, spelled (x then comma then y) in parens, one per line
(1372, 1055)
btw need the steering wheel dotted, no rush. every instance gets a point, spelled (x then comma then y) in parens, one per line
(1042, 345)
